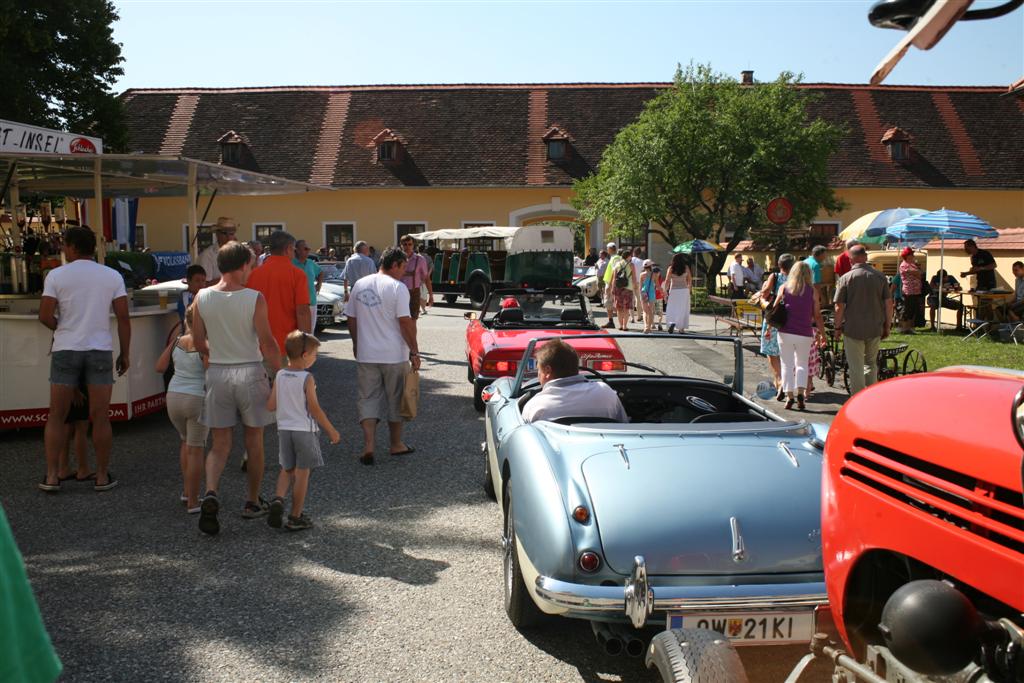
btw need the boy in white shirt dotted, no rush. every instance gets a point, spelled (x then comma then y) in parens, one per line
(293, 397)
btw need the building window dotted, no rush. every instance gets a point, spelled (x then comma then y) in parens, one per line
(822, 233)
(261, 231)
(140, 237)
(203, 240)
(407, 229)
(556, 150)
(386, 151)
(340, 237)
(558, 142)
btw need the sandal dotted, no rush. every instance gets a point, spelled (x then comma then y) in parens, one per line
(49, 488)
(366, 458)
(111, 483)
(89, 477)
(407, 451)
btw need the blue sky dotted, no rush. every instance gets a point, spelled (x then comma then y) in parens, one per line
(216, 44)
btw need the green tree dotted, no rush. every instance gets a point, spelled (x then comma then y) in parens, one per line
(58, 63)
(706, 156)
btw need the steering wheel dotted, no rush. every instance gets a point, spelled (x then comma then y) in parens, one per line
(648, 368)
(595, 373)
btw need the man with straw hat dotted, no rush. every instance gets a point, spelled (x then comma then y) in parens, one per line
(224, 231)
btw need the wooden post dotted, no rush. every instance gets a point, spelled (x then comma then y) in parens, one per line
(192, 218)
(97, 190)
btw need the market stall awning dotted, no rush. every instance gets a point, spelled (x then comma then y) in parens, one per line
(465, 233)
(138, 175)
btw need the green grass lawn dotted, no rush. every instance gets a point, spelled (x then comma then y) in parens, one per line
(952, 349)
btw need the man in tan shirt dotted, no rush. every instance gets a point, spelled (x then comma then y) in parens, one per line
(863, 316)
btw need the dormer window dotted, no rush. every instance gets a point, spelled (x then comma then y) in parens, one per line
(389, 146)
(897, 141)
(231, 144)
(559, 143)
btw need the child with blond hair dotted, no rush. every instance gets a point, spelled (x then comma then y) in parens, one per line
(293, 397)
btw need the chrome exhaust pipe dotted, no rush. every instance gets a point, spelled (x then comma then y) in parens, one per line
(634, 645)
(609, 641)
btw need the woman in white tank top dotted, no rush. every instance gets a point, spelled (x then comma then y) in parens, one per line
(228, 318)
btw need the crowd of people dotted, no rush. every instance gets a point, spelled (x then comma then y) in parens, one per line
(634, 289)
(243, 356)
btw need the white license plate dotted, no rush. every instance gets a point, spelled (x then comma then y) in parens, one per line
(752, 628)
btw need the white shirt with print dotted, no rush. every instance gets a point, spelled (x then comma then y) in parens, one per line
(377, 302)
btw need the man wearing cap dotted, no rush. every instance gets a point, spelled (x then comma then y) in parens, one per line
(606, 278)
(224, 231)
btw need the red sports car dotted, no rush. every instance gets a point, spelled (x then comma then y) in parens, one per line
(497, 335)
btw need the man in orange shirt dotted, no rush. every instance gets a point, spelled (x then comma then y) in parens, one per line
(284, 287)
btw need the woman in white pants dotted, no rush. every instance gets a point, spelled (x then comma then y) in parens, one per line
(803, 327)
(677, 291)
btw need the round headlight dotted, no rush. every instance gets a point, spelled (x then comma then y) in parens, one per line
(1018, 417)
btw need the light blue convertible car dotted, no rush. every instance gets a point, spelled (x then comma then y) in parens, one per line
(701, 515)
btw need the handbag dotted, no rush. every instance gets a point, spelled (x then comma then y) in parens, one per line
(776, 314)
(410, 395)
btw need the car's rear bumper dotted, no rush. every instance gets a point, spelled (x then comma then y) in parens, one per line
(637, 599)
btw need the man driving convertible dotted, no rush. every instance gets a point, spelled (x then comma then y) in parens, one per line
(565, 392)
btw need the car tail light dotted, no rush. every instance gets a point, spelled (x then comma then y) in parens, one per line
(589, 561)
(608, 365)
(581, 514)
(499, 367)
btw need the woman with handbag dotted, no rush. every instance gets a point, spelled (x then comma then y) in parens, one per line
(802, 327)
(677, 290)
(769, 334)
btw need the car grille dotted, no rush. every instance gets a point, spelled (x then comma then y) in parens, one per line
(981, 508)
(325, 310)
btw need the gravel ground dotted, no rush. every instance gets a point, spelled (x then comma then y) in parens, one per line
(400, 579)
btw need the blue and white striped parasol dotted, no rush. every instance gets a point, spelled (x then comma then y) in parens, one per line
(941, 225)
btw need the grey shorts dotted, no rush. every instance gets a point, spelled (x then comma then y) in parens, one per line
(234, 391)
(299, 449)
(71, 367)
(184, 411)
(380, 387)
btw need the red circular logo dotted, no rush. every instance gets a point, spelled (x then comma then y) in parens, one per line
(82, 146)
(779, 210)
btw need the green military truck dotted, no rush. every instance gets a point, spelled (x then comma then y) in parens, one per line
(471, 262)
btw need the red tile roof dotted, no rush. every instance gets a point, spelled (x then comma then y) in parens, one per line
(1010, 239)
(492, 134)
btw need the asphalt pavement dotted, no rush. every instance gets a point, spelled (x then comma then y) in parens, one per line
(399, 580)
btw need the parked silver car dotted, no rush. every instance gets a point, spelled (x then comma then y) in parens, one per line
(700, 515)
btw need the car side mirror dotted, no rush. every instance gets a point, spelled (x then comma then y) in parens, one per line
(469, 315)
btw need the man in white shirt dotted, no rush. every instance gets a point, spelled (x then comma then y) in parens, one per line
(565, 392)
(83, 291)
(223, 232)
(358, 266)
(756, 272)
(737, 277)
(384, 343)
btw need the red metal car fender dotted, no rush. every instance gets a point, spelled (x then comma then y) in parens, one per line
(943, 428)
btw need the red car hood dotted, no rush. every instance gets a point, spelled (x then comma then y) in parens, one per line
(517, 340)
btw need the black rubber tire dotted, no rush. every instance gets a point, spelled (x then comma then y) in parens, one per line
(451, 298)
(478, 399)
(488, 482)
(830, 368)
(821, 362)
(477, 291)
(519, 606)
(470, 377)
(695, 656)
(846, 378)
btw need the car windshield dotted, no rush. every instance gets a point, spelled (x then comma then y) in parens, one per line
(550, 307)
(583, 271)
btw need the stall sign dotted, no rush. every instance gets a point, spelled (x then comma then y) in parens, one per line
(20, 137)
(171, 265)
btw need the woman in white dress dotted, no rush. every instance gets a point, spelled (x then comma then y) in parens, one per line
(677, 291)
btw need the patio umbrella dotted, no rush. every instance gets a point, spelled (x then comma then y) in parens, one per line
(941, 225)
(696, 247)
(876, 219)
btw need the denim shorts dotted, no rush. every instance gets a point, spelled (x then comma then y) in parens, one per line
(70, 368)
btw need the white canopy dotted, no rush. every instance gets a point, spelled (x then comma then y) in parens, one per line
(465, 233)
(517, 239)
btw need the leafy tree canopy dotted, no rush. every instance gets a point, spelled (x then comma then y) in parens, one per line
(58, 63)
(707, 155)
